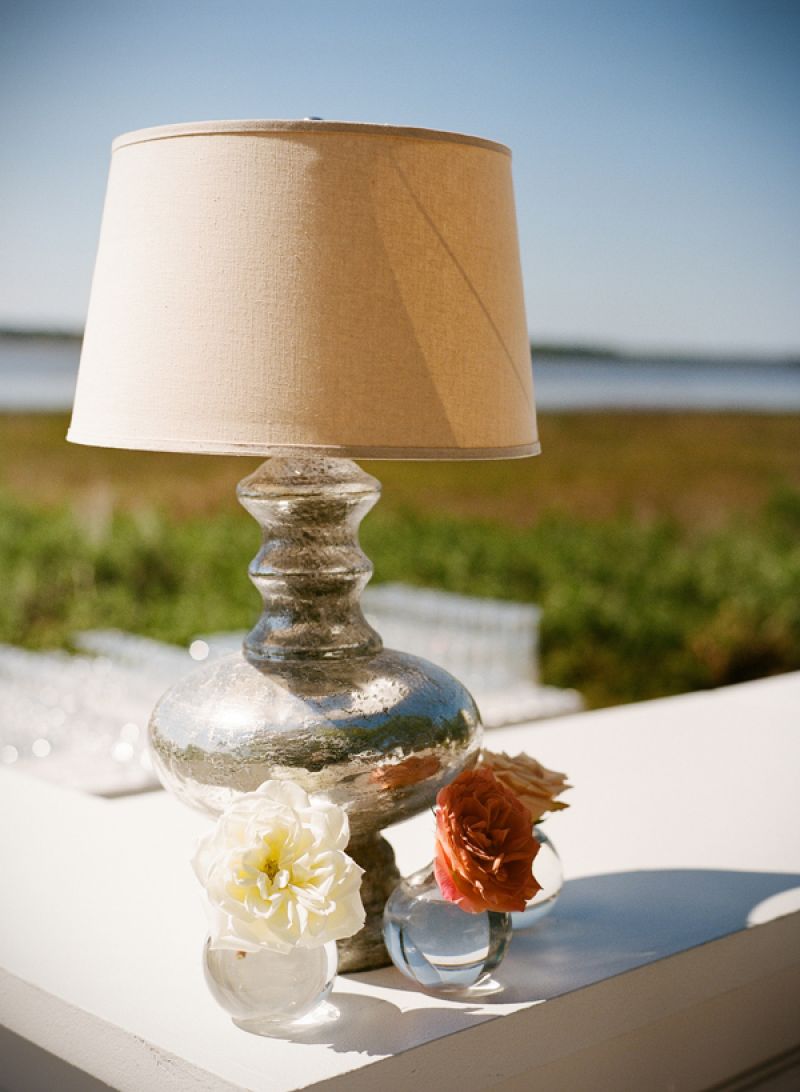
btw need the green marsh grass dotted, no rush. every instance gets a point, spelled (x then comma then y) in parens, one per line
(663, 549)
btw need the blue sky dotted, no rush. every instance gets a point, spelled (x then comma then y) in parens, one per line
(656, 144)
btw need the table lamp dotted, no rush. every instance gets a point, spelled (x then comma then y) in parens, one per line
(315, 292)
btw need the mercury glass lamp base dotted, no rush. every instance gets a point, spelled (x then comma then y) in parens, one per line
(313, 696)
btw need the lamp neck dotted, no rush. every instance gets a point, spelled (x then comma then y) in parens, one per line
(310, 569)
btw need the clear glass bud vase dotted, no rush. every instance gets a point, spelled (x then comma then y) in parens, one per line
(265, 991)
(437, 944)
(549, 874)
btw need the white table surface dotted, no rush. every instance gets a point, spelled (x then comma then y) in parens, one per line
(672, 959)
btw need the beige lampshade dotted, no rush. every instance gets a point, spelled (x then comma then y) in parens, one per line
(265, 287)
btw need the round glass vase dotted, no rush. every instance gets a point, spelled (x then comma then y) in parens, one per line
(549, 873)
(436, 943)
(266, 991)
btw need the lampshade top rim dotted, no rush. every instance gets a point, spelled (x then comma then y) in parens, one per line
(255, 127)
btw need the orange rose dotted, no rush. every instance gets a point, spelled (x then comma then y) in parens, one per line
(484, 845)
(534, 784)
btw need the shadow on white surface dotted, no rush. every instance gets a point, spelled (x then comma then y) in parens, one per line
(377, 1027)
(602, 926)
(605, 925)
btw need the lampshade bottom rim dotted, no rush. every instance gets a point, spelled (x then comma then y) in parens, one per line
(345, 451)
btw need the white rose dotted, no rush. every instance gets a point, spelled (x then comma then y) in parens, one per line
(276, 874)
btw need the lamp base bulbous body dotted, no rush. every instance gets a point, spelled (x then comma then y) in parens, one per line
(379, 736)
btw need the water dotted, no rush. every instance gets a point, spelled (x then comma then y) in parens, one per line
(39, 375)
(759, 386)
